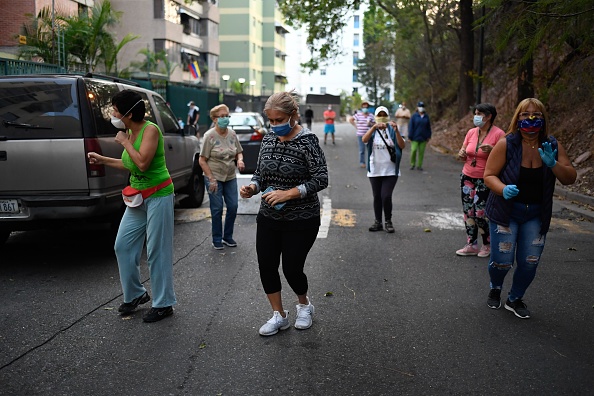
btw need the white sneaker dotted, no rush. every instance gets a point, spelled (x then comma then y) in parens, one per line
(304, 315)
(276, 323)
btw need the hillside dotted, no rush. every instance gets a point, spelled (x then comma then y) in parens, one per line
(571, 115)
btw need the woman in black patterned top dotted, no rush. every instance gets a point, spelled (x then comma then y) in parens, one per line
(291, 171)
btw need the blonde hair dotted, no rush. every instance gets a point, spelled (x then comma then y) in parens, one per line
(285, 102)
(522, 106)
(215, 110)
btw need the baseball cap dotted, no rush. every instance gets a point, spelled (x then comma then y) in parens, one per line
(191, 102)
(421, 104)
(379, 109)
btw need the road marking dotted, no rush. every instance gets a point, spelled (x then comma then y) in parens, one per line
(326, 217)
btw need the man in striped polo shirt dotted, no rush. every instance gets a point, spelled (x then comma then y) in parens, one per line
(362, 120)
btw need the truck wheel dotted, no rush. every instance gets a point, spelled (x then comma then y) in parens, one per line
(195, 190)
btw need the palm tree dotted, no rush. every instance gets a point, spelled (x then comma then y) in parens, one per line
(86, 36)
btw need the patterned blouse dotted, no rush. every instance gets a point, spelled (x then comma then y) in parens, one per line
(299, 162)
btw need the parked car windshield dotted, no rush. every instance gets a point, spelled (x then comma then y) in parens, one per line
(39, 108)
(242, 119)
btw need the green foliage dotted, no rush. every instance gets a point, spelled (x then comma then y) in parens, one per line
(87, 40)
(154, 62)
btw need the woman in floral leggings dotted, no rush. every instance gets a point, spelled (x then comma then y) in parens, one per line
(475, 150)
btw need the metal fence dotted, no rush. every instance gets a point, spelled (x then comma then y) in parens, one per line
(11, 67)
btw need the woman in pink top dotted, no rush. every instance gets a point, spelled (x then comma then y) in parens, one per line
(475, 150)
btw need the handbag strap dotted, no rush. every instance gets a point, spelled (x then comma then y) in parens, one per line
(386, 143)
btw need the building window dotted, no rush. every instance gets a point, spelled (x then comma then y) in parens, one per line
(356, 40)
(158, 9)
(322, 72)
(323, 90)
(310, 89)
(355, 90)
(253, 21)
(355, 58)
(356, 22)
(253, 48)
(191, 25)
(355, 76)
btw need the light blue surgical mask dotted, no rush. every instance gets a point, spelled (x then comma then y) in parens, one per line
(282, 129)
(223, 122)
(478, 121)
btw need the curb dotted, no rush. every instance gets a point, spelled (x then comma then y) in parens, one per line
(575, 202)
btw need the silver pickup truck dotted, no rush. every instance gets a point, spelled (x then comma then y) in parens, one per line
(48, 124)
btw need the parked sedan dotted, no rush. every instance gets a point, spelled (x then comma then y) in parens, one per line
(250, 129)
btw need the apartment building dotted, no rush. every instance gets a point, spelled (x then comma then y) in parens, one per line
(336, 75)
(252, 38)
(14, 14)
(187, 32)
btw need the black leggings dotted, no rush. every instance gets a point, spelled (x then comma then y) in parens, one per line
(382, 188)
(293, 246)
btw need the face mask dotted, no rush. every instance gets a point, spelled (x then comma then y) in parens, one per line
(117, 122)
(364, 110)
(382, 120)
(478, 121)
(223, 122)
(531, 125)
(282, 129)
(329, 108)
(421, 109)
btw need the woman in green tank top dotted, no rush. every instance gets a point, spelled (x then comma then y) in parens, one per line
(144, 157)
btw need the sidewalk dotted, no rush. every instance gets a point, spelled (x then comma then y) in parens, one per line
(578, 203)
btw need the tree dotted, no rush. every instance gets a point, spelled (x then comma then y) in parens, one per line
(154, 62)
(40, 35)
(110, 52)
(527, 29)
(87, 37)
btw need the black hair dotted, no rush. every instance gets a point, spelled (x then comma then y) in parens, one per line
(127, 102)
(486, 108)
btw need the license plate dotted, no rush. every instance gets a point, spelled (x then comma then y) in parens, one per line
(9, 206)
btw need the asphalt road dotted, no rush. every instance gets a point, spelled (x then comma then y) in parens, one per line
(406, 316)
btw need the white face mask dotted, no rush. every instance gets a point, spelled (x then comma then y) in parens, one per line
(117, 122)
(421, 109)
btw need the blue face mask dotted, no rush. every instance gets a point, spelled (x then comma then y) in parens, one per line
(223, 122)
(364, 110)
(478, 121)
(282, 129)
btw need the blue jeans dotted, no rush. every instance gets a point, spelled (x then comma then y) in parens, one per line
(361, 150)
(227, 192)
(152, 220)
(521, 239)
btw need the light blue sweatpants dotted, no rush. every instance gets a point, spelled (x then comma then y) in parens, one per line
(153, 220)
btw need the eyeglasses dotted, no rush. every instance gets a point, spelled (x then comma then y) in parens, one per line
(527, 114)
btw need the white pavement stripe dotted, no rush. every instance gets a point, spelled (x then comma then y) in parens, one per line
(326, 217)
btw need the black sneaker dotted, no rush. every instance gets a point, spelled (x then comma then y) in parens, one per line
(156, 314)
(494, 300)
(518, 308)
(377, 226)
(127, 308)
(389, 227)
(412, 167)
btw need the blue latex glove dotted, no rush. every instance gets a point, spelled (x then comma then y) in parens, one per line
(510, 191)
(547, 154)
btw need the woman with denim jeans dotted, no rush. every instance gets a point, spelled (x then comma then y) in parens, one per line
(144, 158)
(521, 173)
(219, 152)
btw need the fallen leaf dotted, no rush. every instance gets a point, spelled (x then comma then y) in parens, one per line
(427, 230)
(328, 294)
(108, 308)
(202, 346)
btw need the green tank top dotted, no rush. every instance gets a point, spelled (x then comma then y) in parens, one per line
(157, 172)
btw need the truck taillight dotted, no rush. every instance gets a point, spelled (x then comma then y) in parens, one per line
(93, 170)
